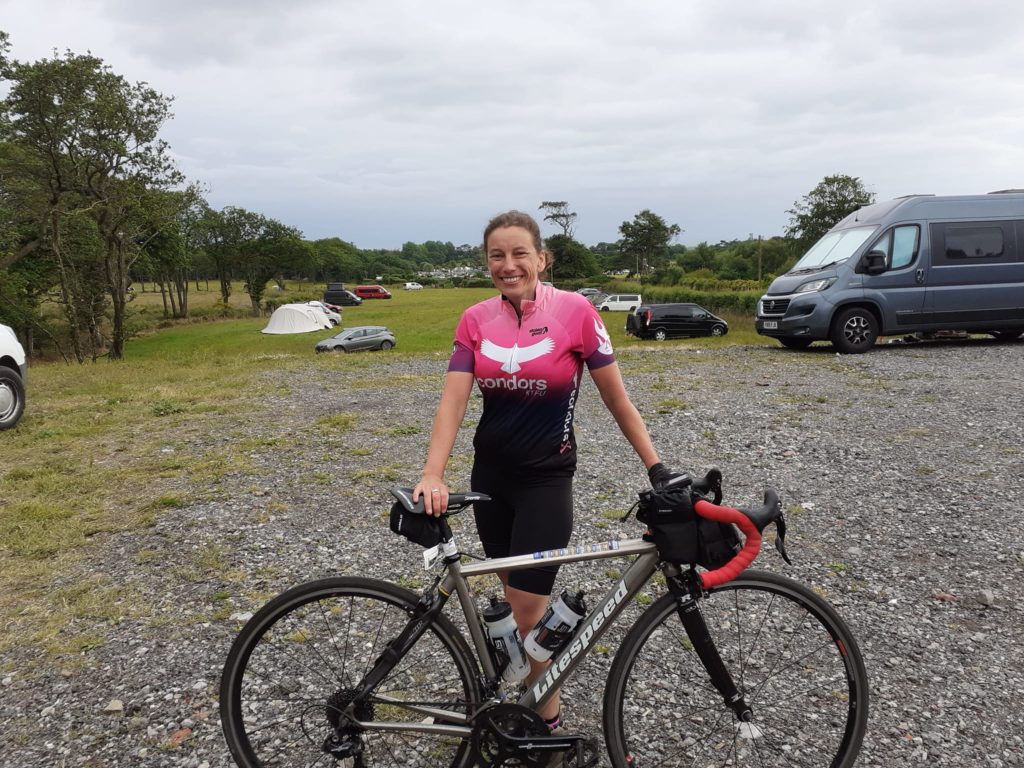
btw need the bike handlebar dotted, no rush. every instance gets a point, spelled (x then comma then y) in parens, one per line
(751, 523)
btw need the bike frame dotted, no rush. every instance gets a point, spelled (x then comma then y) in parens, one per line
(562, 665)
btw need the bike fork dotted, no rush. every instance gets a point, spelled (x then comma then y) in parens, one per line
(697, 630)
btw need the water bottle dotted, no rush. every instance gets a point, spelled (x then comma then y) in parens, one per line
(505, 640)
(555, 629)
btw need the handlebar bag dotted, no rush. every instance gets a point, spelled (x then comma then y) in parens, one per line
(681, 535)
(422, 529)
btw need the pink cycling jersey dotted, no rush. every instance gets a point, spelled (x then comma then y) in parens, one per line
(529, 371)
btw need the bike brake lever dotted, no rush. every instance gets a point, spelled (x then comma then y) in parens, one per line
(780, 538)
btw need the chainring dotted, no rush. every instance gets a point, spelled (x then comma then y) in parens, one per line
(495, 723)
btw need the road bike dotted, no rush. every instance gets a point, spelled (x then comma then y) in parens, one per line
(729, 667)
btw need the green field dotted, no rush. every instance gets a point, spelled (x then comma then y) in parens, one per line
(94, 450)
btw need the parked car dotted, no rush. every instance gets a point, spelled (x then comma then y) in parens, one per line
(333, 315)
(620, 302)
(359, 337)
(372, 292)
(664, 321)
(588, 292)
(13, 371)
(413, 287)
(341, 297)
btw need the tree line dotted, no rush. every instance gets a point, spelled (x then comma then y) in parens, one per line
(91, 202)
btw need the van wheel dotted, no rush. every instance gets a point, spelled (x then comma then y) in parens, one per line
(795, 342)
(854, 331)
(12, 397)
(718, 330)
(660, 334)
(604, 309)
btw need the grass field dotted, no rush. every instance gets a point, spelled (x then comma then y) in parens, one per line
(94, 452)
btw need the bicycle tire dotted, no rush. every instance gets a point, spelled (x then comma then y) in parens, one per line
(788, 651)
(315, 641)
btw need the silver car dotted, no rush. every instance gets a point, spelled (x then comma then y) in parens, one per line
(358, 337)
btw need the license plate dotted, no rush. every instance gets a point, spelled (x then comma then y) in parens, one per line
(770, 325)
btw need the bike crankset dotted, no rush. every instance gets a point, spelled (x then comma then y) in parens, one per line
(513, 735)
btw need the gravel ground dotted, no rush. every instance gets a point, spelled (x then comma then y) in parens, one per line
(902, 470)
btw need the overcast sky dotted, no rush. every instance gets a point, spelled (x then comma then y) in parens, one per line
(383, 122)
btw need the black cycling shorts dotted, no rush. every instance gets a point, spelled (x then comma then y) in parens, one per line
(528, 513)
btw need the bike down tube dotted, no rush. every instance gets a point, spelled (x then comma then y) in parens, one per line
(590, 630)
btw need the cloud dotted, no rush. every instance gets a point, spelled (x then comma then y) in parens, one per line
(396, 121)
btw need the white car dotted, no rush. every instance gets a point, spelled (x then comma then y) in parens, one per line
(333, 317)
(12, 378)
(620, 302)
(413, 287)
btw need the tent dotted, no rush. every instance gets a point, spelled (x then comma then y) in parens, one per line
(296, 318)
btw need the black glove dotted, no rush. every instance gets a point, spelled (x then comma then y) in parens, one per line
(660, 476)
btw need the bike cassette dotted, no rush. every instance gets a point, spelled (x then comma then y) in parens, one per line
(513, 735)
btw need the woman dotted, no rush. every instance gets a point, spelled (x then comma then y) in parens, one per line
(525, 348)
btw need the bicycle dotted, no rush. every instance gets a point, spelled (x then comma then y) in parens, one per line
(726, 668)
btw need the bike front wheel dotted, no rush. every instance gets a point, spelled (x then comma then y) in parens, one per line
(295, 665)
(789, 653)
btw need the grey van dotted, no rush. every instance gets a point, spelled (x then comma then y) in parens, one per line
(916, 263)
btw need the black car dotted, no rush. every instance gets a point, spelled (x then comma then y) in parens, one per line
(663, 321)
(341, 297)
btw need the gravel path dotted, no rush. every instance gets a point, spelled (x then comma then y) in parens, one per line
(902, 470)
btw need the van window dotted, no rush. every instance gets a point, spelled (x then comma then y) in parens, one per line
(974, 242)
(980, 242)
(904, 246)
(833, 248)
(899, 246)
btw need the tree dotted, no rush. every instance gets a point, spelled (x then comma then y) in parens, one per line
(571, 260)
(645, 240)
(558, 212)
(87, 140)
(835, 198)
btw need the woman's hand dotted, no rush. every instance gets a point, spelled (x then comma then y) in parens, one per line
(434, 492)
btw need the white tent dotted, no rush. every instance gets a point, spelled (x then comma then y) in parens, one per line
(296, 318)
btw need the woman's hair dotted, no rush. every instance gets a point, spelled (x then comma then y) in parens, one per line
(518, 219)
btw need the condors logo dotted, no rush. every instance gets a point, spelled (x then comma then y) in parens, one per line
(514, 383)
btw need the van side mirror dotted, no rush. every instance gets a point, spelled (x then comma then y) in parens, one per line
(873, 262)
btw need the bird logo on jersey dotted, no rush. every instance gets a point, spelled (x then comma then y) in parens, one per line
(511, 357)
(606, 340)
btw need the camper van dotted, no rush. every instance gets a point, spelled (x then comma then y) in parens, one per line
(372, 292)
(914, 264)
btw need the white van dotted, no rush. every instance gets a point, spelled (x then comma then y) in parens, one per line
(621, 302)
(12, 378)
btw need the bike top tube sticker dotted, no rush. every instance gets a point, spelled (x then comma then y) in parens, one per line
(579, 549)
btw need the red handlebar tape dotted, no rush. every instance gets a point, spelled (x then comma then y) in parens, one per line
(744, 557)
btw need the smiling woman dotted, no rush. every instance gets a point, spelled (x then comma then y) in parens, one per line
(525, 349)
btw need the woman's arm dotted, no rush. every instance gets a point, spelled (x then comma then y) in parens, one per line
(609, 383)
(450, 412)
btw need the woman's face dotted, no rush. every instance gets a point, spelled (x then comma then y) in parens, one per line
(515, 263)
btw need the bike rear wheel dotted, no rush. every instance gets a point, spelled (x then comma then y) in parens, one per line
(789, 653)
(293, 664)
